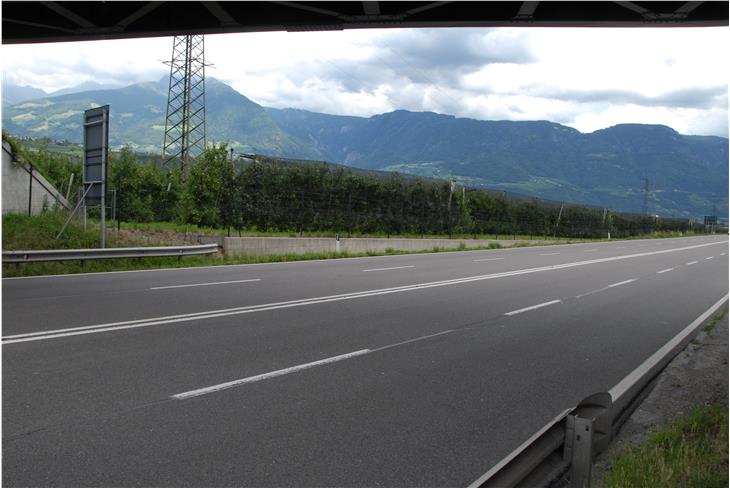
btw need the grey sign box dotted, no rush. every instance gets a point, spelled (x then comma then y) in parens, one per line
(96, 147)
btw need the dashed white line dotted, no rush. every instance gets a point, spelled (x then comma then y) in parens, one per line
(487, 259)
(550, 254)
(691, 263)
(204, 284)
(621, 247)
(706, 259)
(592, 292)
(527, 309)
(386, 269)
(665, 270)
(622, 283)
(722, 253)
(266, 376)
(590, 250)
(299, 367)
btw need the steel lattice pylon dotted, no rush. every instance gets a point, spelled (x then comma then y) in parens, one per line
(185, 119)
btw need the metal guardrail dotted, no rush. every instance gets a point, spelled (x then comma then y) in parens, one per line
(567, 444)
(109, 253)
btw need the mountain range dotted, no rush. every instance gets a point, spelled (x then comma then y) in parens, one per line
(687, 175)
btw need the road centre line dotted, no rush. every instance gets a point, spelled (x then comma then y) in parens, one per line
(487, 259)
(204, 284)
(722, 253)
(550, 254)
(691, 263)
(709, 258)
(115, 326)
(621, 247)
(665, 270)
(534, 307)
(590, 250)
(386, 269)
(300, 367)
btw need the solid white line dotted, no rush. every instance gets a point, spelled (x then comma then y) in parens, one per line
(203, 284)
(549, 254)
(114, 326)
(665, 270)
(266, 376)
(622, 283)
(526, 309)
(488, 259)
(691, 263)
(709, 258)
(386, 269)
(623, 386)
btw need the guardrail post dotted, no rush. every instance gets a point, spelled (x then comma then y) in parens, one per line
(579, 448)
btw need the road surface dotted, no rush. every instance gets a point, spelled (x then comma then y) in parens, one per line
(408, 370)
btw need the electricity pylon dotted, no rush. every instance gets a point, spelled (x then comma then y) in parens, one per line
(185, 119)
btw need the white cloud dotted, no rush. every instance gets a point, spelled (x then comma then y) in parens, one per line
(586, 78)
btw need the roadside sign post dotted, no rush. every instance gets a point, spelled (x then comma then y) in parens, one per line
(95, 171)
(96, 162)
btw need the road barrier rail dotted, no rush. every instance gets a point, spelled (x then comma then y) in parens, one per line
(110, 253)
(563, 449)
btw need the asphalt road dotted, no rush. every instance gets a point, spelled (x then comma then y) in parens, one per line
(411, 370)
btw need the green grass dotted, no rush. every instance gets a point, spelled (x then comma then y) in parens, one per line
(692, 452)
(717, 318)
(253, 232)
(23, 232)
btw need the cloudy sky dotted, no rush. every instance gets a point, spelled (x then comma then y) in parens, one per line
(584, 78)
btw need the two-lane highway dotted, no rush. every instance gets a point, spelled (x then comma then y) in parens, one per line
(410, 370)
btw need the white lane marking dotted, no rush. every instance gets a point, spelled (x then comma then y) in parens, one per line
(665, 270)
(590, 250)
(709, 258)
(204, 284)
(621, 247)
(691, 263)
(488, 259)
(170, 319)
(266, 376)
(605, 288)
(386, 269)
(641, 245)
(300, 367)
(722, 253)
(549, 254)
(527, 309)
(622, 283)
(623, 386)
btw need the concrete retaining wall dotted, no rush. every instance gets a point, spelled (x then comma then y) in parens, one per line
(16, 183)
(260, 246)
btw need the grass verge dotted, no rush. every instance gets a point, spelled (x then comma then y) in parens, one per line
(717, 318)
(690, 452)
